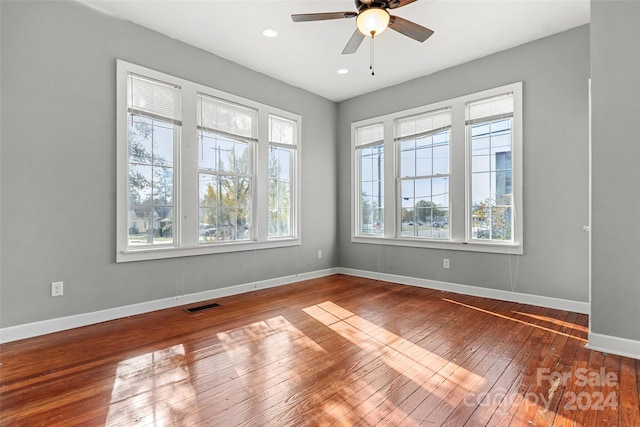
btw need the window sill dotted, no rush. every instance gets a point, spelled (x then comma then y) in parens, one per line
(145, 254)
(498, 248)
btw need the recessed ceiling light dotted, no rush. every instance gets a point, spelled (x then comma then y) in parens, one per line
(343, 71)
(269, 32)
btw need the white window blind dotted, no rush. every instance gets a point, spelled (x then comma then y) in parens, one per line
(282, 174)
(453, 174)
(423, 124)
(494, 108)
(153, 98)
(282, 131)
(370, 135)
(214, 178)
(222, 116)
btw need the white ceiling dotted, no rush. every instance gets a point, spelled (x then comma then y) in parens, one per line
(308, 54)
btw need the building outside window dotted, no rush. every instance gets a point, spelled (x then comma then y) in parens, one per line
(489, 129)
(454, 180)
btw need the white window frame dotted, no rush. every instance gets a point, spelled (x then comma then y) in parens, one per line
(399, 178)
(459, 182)
(293, 183)
(186, 197)
(356, 148)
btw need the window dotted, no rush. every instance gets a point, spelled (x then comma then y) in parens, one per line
(282, 152)
(455, 179)
(226, 140)
(489, 125)
(423, 142)
(153, 118)
(201, 171)
(370, 152)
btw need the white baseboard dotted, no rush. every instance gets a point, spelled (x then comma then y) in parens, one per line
(14, 333)
(604, 343)
(557, 303)
(614, 345)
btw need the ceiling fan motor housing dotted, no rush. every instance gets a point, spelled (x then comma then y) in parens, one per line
(372, 18)
(366, 4)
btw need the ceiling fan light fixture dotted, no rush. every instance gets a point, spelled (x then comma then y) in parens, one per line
(373, 21)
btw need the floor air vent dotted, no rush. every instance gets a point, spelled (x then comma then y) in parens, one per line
(201, 308)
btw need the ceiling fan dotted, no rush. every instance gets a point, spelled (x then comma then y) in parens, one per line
(372, 18)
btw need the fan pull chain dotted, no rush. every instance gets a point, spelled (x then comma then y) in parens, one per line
(371, 53)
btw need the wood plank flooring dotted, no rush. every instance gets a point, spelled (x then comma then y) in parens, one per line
(332, 351)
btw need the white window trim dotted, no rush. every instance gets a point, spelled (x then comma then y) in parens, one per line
(459, 182)
(186, 233)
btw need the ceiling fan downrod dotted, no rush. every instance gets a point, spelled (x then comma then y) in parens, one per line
(372, 18)
(371, 53)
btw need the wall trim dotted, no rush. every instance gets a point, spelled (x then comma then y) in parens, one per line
(614, 345)
(29, 330)
(542, 301)
(604, 343)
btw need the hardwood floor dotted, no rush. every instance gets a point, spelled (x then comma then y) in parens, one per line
(333, 351)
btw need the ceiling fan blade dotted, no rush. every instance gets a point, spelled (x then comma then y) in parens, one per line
(394, 4)
(306, 17)
(354, 43)
(410, 29)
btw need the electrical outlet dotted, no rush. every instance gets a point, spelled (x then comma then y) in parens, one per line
(319, 254)
(446, 263)
(57, 289)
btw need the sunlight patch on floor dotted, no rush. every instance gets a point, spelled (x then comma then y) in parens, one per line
(554, 321)
(258, 337)
(153, 389)
(502, 316)
(415, 363)
(264, 355)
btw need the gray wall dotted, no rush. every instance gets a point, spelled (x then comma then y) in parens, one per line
(615, 94)
(555, 73)
(58, 165)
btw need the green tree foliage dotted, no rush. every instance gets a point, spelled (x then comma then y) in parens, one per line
(372, 214)
(492, 221)
(150, 194)
(227, 199)
(279, 193)
(426, 210)
(139, 135)
(366, 206)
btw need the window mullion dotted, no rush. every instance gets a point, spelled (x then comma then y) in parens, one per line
(260, 217)
(390, 183)
(458, 177)
(188, 176)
